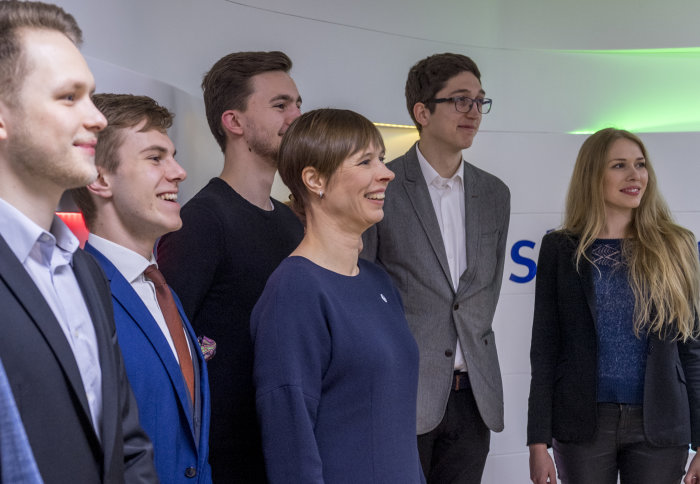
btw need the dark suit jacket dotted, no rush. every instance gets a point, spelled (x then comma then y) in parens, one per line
(563, 357)
(407, 243)
(181, 443)
(48, 388)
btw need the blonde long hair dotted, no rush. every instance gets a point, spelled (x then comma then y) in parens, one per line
(662, 257)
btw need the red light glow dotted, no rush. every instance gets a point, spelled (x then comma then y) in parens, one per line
(75, 222)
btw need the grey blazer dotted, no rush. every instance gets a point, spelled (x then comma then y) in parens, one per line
(408, 244)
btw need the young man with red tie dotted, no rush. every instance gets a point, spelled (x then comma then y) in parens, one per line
(131, 204)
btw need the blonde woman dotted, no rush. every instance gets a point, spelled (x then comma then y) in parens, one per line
(615, 361)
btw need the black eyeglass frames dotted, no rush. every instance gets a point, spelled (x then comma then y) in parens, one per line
(463, 104)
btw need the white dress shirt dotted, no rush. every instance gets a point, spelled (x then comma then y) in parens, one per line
(131, 265)
(447, 195)
(48, 259)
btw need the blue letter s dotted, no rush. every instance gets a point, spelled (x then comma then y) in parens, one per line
(518, 259)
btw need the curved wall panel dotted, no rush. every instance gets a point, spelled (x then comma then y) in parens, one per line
(356, 55)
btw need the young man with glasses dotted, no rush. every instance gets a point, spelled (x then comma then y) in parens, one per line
(443, 241)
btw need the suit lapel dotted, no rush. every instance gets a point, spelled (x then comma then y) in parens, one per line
(417, 192)
(126, 297)
(472, 225)
(585, 275)
(203, 388)
(13, 273)
(584, 272)
(97, 305)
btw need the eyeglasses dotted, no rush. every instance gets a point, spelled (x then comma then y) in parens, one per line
(463, 104)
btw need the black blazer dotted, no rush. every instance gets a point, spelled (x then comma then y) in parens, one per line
(48, 388)
(563, 357)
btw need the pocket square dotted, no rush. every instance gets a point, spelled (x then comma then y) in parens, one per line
(208, 347)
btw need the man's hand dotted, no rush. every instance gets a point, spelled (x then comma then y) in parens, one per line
(542, 468)
(693, 474)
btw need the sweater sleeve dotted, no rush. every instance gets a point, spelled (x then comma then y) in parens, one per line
(292, 352)
(544, 345)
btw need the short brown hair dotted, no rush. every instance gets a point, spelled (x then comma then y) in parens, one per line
(16, 15)
(430, 75)
(322, 139)
(122, 111)
(227, 84)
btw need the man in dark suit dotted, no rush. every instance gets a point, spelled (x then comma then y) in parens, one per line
(57, 337)
(443, 240)
(131, 204)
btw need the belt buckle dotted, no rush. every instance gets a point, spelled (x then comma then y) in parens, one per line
(461, 381)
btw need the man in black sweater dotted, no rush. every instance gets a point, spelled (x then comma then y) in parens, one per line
(233, 236)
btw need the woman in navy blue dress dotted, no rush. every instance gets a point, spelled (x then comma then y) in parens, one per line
(336, 367)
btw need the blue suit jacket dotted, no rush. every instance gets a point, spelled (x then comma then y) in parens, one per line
(17, 465)
(160, 390)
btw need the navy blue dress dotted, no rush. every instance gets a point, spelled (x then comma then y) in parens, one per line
(336, 373)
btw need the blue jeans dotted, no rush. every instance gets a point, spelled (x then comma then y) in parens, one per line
(619, 445)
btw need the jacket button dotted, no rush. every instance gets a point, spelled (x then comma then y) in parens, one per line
(190, 472)
(456, 307)
(448, 353)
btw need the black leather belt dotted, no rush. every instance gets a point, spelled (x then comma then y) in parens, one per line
(460, 381)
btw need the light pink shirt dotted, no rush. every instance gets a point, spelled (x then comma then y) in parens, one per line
(48, 259)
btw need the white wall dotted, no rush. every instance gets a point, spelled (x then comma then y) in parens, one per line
(537, 169)
(356, 55)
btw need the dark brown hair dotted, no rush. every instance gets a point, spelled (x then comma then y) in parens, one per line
(431, 74)
(122, 111)
(322, 139)
(227, 84)
(16, 15)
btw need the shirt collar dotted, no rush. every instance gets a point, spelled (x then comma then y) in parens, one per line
(432, 177)
(129, 263)
(21, 233)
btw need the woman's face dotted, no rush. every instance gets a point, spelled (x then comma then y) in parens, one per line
(625, 177)
(355, 192)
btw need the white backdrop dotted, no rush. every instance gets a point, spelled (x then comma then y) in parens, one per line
(356, 55)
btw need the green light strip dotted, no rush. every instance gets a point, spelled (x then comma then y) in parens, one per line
(673, 50)
(678, 113)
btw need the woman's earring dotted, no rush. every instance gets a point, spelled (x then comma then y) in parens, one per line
(320, 194)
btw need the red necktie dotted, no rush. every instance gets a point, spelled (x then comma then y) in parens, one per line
(172, 319)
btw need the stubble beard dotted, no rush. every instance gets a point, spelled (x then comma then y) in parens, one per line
(263, 145)
(40, 163)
